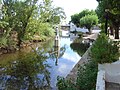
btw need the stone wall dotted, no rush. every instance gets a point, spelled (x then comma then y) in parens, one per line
(85, 58)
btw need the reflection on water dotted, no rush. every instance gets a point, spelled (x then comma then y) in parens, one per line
(79, 46)
(37, 68)
(28, 73)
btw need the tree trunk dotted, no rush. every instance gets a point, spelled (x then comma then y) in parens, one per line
(89, 29)
(21, 34)
(111, 30)
(117, 33)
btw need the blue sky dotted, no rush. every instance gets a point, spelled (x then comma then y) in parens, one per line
(75, 6)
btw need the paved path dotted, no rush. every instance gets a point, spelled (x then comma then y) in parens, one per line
(92, 36)
(112, 38)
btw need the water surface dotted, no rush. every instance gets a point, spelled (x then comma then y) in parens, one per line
(37, 67)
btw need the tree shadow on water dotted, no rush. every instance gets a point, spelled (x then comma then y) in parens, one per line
(28, 73)
(79, 47)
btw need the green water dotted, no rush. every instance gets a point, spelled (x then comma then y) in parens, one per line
(37, 67)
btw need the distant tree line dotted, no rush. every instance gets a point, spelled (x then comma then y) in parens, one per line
(108, 12)
(85, 18)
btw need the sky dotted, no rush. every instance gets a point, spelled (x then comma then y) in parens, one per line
(75, 6)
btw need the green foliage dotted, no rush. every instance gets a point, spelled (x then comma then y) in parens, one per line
(29, 18)
(86, 76)
(49, 13)
(88, 21)
(3, 42)
(41, 30)
(7, 42)
(64, 84)
(76, 17)
(104, 50)
(86, 12)
(102, 27)
(47, 29)
(5, 31)
(112, 13)
(3, 24)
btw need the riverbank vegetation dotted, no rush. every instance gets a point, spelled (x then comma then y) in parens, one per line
(27, 20)
(102, 51)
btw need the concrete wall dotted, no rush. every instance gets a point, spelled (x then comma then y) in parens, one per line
(100, 85)
(108, 73)
(112, 71)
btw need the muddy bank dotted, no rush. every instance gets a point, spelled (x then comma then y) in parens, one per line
(27, 43)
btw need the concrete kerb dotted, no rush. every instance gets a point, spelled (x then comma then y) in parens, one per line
(100, 85)
(73, 73)
(85, 58)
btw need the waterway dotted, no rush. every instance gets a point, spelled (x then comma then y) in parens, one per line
(37, 67)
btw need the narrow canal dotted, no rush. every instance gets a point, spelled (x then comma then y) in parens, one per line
(37, 67)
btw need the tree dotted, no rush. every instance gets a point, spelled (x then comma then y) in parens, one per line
(49, 13)
(76, 17)
(17, 14)
(42, 20)
(113, 13)
(88, 21)
(25, 16)
(58, 15)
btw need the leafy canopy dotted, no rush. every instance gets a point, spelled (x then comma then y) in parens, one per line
(76, 17)
(88, 21)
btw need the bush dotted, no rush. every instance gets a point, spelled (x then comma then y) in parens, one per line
(102, 28)
(80, 34)
(3, 42)
(86, 79)
(104, 50)
(64, 84)
(41, 30)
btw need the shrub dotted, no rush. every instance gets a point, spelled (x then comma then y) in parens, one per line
(3, 42)
(41, 30)
(104, 50)
(102, 28)
(80, 34)
(86, 76)
(64, 84)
